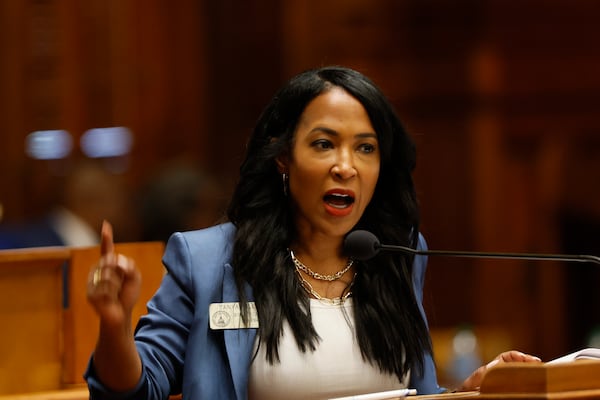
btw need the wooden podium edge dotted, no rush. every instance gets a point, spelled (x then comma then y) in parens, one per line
(80, 393)
(547, 380)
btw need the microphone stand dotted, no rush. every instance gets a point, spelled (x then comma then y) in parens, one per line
(479, 254)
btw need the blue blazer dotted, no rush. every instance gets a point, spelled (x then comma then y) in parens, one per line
(180, 352)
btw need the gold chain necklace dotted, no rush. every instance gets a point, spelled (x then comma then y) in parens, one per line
(318, 276)
(311, 291)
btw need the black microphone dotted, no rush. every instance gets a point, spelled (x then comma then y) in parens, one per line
(363, 245)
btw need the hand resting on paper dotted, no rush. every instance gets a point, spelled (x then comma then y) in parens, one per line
(473, 382)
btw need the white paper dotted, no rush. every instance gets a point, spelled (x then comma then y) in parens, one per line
(590, 353)
(390, 394)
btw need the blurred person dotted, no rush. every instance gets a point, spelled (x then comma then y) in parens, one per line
(268, 305)
(180, 197)
(87, 195)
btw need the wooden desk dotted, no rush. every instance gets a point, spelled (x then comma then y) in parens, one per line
(48, 329)
(66, 394)
(522, 381)
(573, 380)
(80, 393)
(31, 306)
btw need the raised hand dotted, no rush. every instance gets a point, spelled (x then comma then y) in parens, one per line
(113, 288)
(114, 283)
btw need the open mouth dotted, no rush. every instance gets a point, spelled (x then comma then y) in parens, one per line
(338, 200)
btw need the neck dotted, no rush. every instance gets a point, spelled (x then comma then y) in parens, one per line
(320, 252)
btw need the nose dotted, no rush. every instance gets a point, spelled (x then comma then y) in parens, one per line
(344, 166)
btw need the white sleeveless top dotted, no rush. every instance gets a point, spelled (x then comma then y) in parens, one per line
(335, 369)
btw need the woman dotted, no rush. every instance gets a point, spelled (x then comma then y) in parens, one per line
(327, 156)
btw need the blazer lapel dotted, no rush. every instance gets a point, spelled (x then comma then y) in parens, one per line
(238, 342)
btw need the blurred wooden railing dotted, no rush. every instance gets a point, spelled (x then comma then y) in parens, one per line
(48, 328)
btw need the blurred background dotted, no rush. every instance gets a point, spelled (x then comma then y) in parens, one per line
(106, 105)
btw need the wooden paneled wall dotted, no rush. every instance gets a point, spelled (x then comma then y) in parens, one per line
(501, 97)
(82, 65)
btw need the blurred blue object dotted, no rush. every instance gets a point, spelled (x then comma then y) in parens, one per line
(48, 145)
(106, 142)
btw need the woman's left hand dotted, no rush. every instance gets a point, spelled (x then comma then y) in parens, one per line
(473, 382)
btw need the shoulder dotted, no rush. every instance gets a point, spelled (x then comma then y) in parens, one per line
(420, 264)
(422, 243)
(421, 260)
(211, 245)
(208, 238)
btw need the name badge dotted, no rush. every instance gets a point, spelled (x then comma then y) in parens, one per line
(227, 316)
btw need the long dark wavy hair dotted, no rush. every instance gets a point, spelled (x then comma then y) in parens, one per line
(390, 329)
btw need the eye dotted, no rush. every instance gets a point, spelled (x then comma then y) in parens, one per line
(367, 148)
(322, 144)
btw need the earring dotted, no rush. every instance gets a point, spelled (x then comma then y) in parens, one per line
(286, 182)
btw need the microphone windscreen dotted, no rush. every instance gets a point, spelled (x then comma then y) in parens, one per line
(361, 245)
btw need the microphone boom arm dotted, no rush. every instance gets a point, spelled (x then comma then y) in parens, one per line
(478, 254)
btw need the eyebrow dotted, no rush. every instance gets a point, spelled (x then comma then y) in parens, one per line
(333, 132)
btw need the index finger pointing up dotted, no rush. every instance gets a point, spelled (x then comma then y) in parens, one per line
(107, 245)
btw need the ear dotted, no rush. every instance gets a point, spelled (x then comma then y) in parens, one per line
(282, 163)
(281, 160)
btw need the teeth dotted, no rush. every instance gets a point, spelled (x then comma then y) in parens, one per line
(338, 200)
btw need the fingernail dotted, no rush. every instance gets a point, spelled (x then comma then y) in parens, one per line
(123, 262)
(492, 363)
